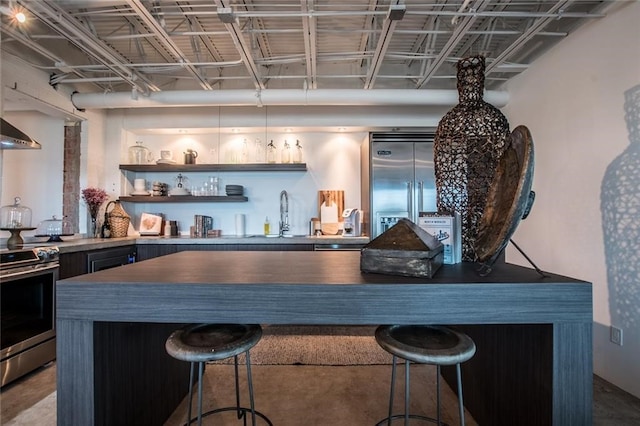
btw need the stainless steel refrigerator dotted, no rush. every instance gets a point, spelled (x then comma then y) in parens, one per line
(398, 179)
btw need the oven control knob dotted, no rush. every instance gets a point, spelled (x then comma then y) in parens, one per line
(53, 253)
(47, 253)
(42, 253)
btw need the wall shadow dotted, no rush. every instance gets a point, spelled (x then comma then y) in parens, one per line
(620, 209)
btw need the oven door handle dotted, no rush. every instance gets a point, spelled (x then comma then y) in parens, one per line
(31, 271)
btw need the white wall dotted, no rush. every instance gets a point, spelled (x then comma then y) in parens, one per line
(35, 175)
(332, 161)
(333, 158)
(572, 100)
(29, 103)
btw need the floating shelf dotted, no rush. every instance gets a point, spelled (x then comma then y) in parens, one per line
(184, 199)
(251, 167)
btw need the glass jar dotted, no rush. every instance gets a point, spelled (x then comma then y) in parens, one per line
(271, 153)
(54, 228)
(15, 216)
(214, 185)
(139, 154)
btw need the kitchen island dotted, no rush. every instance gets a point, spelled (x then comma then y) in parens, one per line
(533, 365)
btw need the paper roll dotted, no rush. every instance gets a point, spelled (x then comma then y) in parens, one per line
(240, 225)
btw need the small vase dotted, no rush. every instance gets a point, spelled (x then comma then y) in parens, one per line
(93, 230)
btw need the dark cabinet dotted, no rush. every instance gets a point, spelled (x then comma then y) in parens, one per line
(72, 264)
(83, 262)
(149, 251)
(110, 258)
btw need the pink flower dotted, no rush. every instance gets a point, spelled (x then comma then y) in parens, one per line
(94, 197)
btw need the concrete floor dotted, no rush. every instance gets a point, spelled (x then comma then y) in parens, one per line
(295, 395)
(312, 395)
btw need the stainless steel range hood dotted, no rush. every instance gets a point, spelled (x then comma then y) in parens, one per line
(12, 138)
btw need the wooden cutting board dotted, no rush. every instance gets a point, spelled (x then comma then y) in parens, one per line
(330, 208)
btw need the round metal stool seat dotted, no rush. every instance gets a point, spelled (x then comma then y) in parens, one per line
(424, 344)
(201, 343)
(212, 342)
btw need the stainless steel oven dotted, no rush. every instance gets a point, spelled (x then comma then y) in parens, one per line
(27, 294)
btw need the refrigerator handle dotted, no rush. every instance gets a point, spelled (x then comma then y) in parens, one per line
(420, 197)
(410, 200)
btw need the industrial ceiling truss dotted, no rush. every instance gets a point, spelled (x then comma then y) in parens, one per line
(147, 46)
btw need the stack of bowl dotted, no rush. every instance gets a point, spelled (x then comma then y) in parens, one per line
(234, 190)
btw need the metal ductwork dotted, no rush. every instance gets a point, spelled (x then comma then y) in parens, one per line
(284, 97)
(12, 138)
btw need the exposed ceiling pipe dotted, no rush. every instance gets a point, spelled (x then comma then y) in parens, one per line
(534, 29)
(395, 14)
(310, 45)
(230, 21)
(278, 97)
(155, 27)
(459, 33)
(66, 25)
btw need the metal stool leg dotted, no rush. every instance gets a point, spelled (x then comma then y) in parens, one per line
(250, 384)
(393, 382)
(200, 373)
(460, 402)
(406, 393)
(239, 412)
(191, 373)
(438, 394)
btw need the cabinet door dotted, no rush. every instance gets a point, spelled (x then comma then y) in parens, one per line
(110, 258)
(275, 247)
(73, 264)
(149, 251)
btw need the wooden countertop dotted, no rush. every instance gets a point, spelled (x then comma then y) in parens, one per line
(85, 244)
(274, 287)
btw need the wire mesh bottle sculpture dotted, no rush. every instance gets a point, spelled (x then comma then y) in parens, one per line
(620, 205)
(469, 141)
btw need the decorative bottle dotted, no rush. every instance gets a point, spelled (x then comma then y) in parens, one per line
(259, 151)
(244, 153)
(469, 141)
(267, 226)
(297, 152)
(271, 152)
(286, 153)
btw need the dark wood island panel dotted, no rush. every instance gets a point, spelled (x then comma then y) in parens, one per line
(533, 333)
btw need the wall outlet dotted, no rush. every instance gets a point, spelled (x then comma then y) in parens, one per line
(616, 335)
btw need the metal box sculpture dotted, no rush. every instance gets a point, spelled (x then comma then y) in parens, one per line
(404, 249)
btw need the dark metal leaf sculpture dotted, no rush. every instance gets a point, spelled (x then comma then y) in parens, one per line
(510, 197)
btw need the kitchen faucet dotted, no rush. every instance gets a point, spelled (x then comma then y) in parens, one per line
(284, 214)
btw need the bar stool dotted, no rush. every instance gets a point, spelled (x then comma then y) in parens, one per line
(201, 343)
(424, 344)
